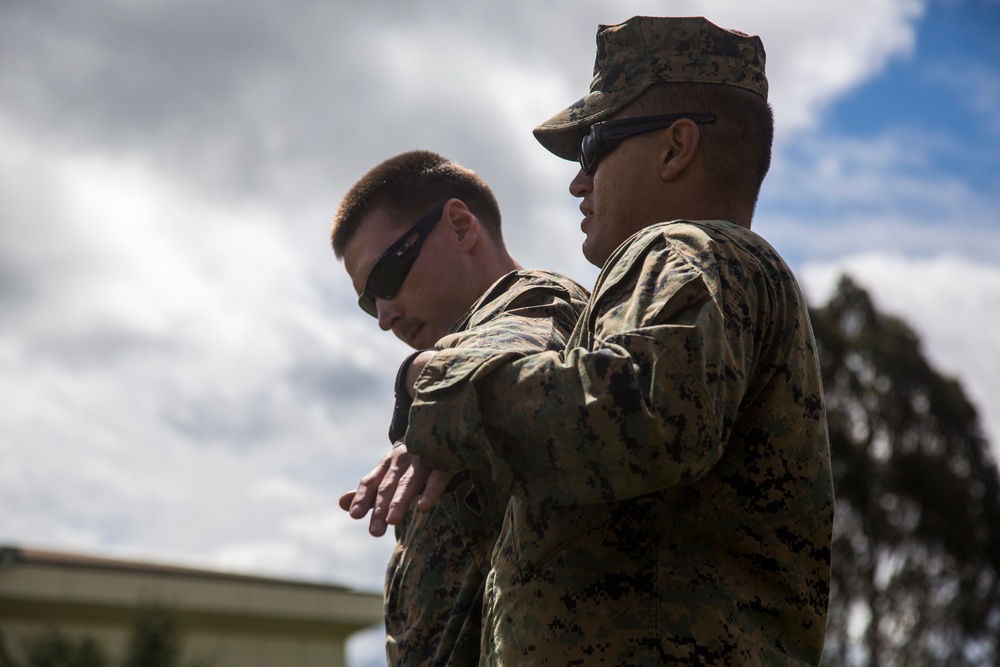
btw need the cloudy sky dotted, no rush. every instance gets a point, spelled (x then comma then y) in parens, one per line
(185, 374)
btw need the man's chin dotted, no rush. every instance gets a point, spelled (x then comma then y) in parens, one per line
(591, 254)
(423, 338)
(410, 337)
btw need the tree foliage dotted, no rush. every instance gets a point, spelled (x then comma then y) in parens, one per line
(917, 532)
(57, 650)
(155, 642)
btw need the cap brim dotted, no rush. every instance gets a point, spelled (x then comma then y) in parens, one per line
(560, 135)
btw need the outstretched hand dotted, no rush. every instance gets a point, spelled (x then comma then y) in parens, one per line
(391, 487)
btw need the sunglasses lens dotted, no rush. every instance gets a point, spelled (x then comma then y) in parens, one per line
(590, 151)
(384, 280)
(586, 152)
(367, 303)
(386, 276)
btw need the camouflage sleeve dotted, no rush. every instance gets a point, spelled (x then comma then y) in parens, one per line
(640, 407)
(532, 315)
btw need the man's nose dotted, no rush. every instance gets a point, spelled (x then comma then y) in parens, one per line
(388, 313)
(581, 184)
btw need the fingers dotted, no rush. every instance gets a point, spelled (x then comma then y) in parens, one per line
(387, 486)
(391, 488)
(411, 483)
(365, 496)
(387, 490)
(346, 500)
(437, 482)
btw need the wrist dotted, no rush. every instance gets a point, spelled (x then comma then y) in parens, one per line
(413, 371)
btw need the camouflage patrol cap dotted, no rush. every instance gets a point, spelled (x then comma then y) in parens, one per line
(646, 50)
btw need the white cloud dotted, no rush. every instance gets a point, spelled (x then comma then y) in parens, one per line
(168, 385)
(947, 300)
(829, 195)
(816, 53)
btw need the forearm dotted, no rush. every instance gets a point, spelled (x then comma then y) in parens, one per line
(588, 426)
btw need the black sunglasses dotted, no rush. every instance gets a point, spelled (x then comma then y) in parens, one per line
(390, 269)
(602, 137)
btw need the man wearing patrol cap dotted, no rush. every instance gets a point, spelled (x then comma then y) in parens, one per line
(669, 471)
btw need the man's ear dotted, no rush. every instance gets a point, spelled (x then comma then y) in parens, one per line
(462, 223)
(678, 148)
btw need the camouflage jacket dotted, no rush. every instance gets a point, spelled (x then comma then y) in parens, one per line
(435, 578)
(672, 501)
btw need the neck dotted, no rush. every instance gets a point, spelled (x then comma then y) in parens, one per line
(694, 196)
(710, 208)
(493, 267)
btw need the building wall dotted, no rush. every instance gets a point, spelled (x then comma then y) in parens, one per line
(217, 648)
(228, 620)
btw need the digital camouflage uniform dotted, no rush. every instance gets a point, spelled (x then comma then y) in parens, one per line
(434, 582)
(669, 470)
